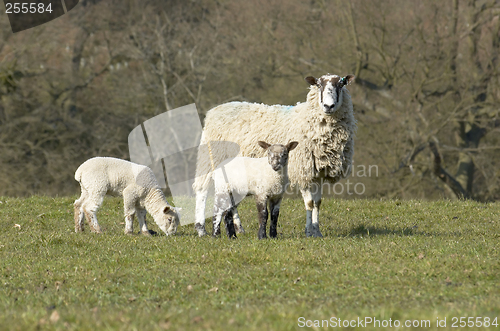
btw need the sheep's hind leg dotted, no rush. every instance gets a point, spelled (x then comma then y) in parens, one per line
(274, 207)
(79, 214)
(201, 200)
(237, 221)
(312, 200)
(90, 210)
(316, 195)
(216, 222)
(228, 220)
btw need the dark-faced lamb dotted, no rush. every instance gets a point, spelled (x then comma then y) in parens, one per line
(266, 178)
(134, 182)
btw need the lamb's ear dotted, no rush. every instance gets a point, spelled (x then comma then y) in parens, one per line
(291, 145)
(348, 79)
(166, 209)
(311, 80)
(263, 144)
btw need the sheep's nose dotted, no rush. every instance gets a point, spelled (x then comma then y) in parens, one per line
(328, 107)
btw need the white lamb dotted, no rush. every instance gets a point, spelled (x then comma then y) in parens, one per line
(266, 178)
(135, 183)
(324, 126)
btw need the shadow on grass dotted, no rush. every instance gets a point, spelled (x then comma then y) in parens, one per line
(363, 230)
(371, 231)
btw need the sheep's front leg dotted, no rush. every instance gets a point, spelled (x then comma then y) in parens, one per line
(274, 206)
(312, 201)
(129, 211)
(262, 211)
(228, 220)
(141, 217)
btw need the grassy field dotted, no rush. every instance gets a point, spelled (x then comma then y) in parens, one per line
(399, 260)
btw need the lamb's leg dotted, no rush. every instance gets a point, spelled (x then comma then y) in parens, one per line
(237, 222)
(262, 210)
(201, 199)
(141, 217)
(311, 197)
(222, 202)
(90, 207)
(274, 206)
(129, 211)
(216, 221)
(228, 220)
(79, 214)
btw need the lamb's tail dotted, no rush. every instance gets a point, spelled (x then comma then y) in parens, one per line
(78, 174)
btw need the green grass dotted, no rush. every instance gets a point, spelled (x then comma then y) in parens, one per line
(402, 260)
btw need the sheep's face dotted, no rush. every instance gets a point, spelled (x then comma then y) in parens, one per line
(331, 90)
(277, 154)
(170, 220)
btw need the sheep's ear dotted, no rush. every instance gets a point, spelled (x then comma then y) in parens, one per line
(263, 144)
(348, 79)
(311, 80)
(166, 209)
(291, 145)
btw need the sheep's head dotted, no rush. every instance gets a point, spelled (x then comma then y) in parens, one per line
(331, 90)
(277, 154)
(169, 220)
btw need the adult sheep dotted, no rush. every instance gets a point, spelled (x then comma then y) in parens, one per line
(324, 126)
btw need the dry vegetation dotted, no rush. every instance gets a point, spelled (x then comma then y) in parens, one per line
(426, 96)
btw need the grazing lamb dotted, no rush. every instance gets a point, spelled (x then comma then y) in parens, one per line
(135, 183)
(324, 126)
(266, 178)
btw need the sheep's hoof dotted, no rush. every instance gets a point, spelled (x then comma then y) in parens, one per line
(313, 231)
(201, 229)
(129, 232)
(146, 233)
(239, 229)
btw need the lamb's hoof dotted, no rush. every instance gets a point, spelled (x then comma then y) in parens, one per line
(239, 229)
(201, 229)
(313, 231)
(146, 233)
(129, 232)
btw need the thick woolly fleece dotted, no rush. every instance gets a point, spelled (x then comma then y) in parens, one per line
(325, 146)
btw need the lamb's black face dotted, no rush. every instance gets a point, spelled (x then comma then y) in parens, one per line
(277, 156)
(331, 90)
